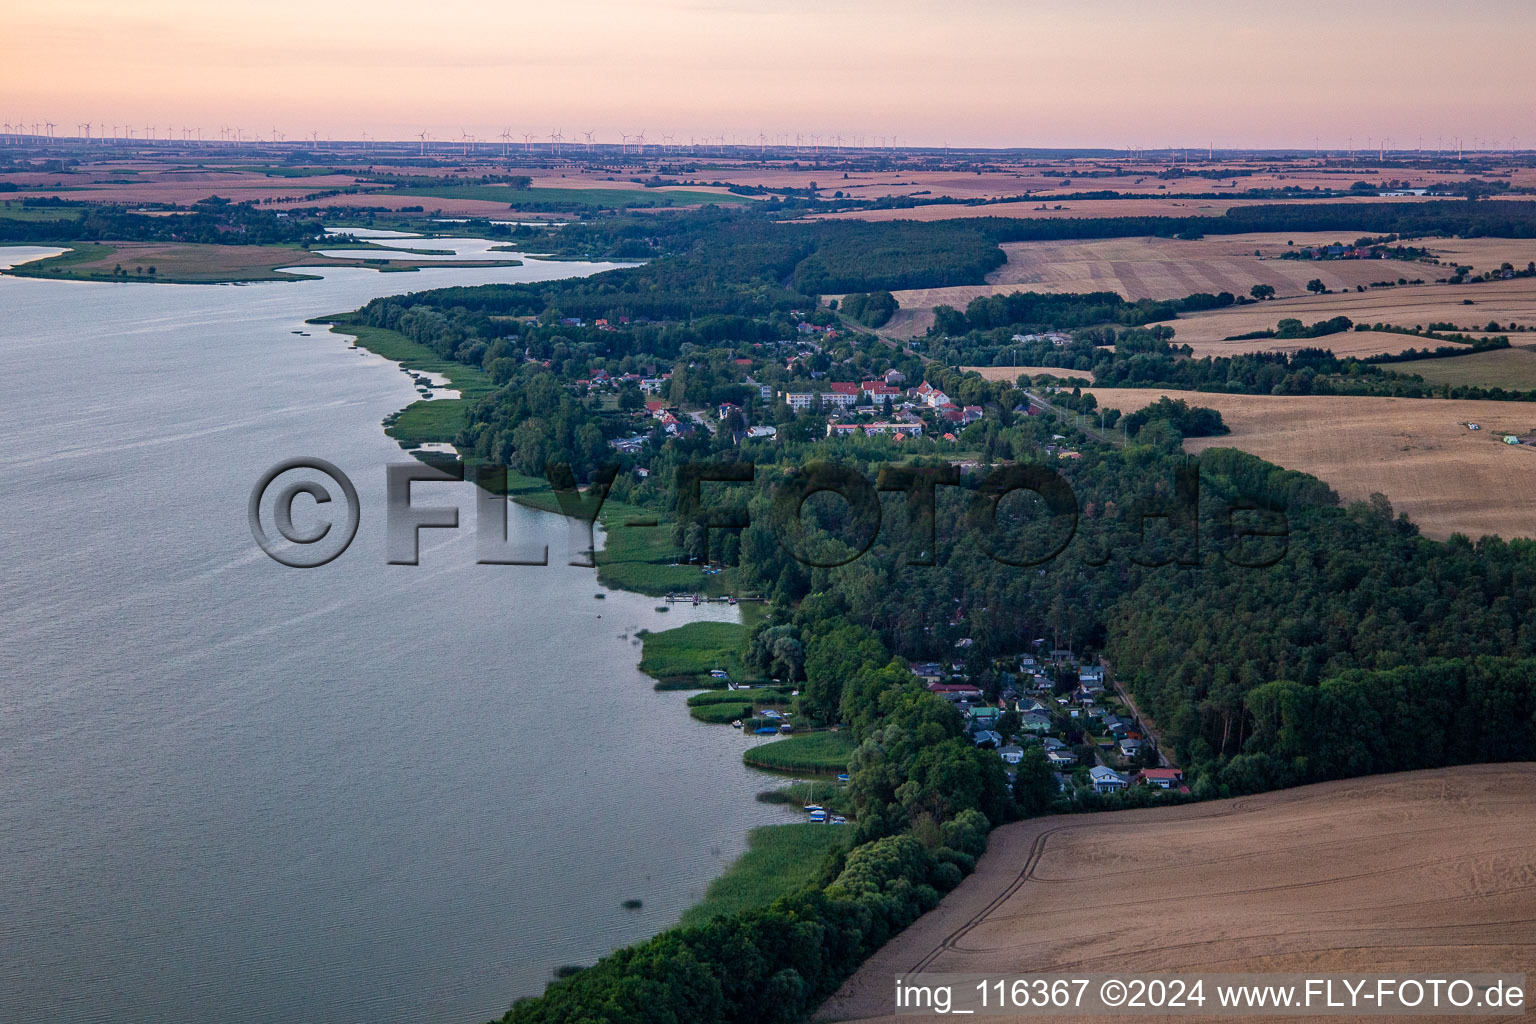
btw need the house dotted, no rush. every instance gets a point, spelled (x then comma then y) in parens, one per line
(762, 431)
(1012, 753)
(986, 717)
(984, 736)
(1091, 674)
(1036, 722)
(726, 408)
(1107, 780)
(1060, 758)
(844, 388)
(928, 671)
(970, 414)
(1052, 743)
(816, 399)
(1130, 747)
(931, 396)
(954, 691)
(895, 377)
(1162, 778)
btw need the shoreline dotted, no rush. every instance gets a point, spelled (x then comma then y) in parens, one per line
(776, 857)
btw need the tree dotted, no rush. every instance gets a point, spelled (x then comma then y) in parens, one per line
(1034, 783)
(1262, 291)
(1316, 286)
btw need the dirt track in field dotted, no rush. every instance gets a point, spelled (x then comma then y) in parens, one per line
(1426, 872)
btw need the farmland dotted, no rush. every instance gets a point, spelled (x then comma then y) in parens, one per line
(558, 198)
(1398, 873)
(1509, 368)
(1469, 307)
(1418, 452)
(1170, 268)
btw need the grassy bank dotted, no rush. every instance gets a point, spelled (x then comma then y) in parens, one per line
(426, 421)
(808, 752)
(779, 860)
(171, 262)
(688, 653)
(720, 706)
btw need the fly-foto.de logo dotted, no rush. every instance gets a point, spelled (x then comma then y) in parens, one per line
(1163, 528)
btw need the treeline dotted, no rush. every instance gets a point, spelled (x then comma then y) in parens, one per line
(1442, 712)
(1024, 310)
(872, 310)
(925, 799)
(1464, 218)
(212, 221)
(731, 263)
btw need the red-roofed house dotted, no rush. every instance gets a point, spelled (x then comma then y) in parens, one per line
(1162, 778)
(958, 689)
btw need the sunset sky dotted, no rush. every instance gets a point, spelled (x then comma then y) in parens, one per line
(970, 72)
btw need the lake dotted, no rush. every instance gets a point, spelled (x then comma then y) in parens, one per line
(237, 791)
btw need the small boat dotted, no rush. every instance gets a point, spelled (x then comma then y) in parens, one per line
(766, 730)
(736, 724)
(786, 728)
(813, 808)
(838, 819)
(818, 816)
(842, 777)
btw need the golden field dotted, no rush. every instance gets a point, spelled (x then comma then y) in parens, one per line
(1417, 451)
(1161, 268)
(1469, 306)
(1424, 872)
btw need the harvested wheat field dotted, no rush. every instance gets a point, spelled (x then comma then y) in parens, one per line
(1417, 451)
(1172, 205)
(1011, 373)
(1469, 307)
(1481, 254)
(1163, 268)
(1428, 872)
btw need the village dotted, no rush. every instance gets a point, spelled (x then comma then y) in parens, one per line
(1054, 700)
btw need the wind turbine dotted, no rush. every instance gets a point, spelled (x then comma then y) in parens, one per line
(555, 138)
(639, 141)
(422, 136)
(527, 142)
(589, 139)
(506, 140)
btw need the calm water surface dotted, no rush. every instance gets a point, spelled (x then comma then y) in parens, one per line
(231, 790)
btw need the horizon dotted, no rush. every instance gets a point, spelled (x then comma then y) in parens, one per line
(1111, 76)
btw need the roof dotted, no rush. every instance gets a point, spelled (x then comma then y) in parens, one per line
(1171, 774)
(953, 688)
(1099, 773)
